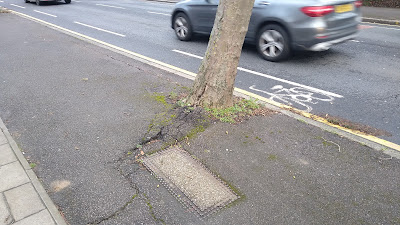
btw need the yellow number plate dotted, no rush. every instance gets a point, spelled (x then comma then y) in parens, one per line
(343, 8)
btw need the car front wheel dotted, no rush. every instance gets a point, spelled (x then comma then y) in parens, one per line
(67, 1)
(273, 43)
(182, 27)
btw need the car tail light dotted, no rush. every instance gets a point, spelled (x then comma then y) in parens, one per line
(358, 4)
(317, 11)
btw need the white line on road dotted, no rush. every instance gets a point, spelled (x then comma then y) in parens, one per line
(188, 54)
(18, 6)
(45, 13)
(111, 6)
(99, 29)
(164, 14)
(1, 1)
(271, 77)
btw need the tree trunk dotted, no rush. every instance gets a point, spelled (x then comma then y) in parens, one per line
(214, 83)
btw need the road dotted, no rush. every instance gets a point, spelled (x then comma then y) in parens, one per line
(358, 80)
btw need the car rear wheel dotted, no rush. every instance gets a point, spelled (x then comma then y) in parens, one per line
(273, 43)
(182, 27)
(67, 1)
(26, 1)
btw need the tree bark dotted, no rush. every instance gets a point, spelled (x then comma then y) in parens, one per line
(214, 83)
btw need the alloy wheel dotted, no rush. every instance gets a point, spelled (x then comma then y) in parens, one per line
(271, 43)
(181, 27)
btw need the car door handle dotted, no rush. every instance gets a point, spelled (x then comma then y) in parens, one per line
(264, 3)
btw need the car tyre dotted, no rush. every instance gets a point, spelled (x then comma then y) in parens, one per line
(26, 1)
(38, 2)
(273, 43)
(67, 1)
(183, 27)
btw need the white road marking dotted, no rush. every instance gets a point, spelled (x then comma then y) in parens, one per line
(164, 14)
(1, 1)
(18, 6)
(188, 54)
(100, 29)
(45, 13)
(111, 6)
(355, 41)
(271, 77)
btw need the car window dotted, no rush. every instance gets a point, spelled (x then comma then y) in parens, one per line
(214, 2)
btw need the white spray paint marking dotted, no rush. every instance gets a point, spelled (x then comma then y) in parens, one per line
(111, 6)
(122, 35)
(45, 13)
(164, 14)
(316, 90)
(18, 6)
(357, 41)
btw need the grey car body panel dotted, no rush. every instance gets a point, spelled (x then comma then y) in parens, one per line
(301, 28)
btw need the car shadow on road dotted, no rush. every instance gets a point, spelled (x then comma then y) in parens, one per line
(52, 3)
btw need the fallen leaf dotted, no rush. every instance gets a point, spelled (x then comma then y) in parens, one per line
(141, 152)
(85, 79)
(76, 148)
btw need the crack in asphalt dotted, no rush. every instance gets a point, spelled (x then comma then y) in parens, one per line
(111, 57)
(157, 132)
(125, 159)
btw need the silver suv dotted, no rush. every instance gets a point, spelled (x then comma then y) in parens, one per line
(278, 27)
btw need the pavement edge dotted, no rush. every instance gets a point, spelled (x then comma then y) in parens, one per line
(51, 207)
(371, 141)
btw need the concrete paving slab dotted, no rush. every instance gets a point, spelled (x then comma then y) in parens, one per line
(12, 175)
(179, 170)
(5, 216)
(41, 218)
(23, 201)
(3, 138)
(7, 155)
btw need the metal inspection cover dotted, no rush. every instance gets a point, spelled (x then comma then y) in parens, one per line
(193, 184)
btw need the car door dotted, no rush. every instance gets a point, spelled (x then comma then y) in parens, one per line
(261, 10)
(204, 15)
